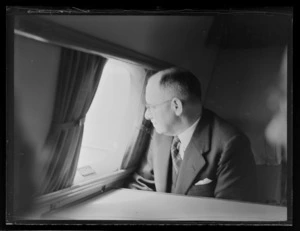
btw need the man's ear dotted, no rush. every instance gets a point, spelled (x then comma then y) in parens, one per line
(177, 106)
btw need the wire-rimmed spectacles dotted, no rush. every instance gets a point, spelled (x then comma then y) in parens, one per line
(153, 106)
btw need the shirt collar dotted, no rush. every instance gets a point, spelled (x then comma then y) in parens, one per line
(186, 136)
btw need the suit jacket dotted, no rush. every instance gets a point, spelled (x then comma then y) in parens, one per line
(217, 151)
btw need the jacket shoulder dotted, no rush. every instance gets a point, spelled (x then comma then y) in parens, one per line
(222, 130)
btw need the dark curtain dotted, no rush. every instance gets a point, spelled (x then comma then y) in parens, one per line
(139, 146)
(141, 139)
(78, 79)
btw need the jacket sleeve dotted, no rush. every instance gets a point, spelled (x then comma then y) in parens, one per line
(143, 178)
(236, 171)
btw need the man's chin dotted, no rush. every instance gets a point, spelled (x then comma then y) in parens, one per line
(159, 131)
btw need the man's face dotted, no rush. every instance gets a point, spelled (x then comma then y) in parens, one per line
(159, 107)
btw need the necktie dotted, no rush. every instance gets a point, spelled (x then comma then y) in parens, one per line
(176, 158)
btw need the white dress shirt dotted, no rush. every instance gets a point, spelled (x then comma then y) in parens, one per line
(185, 137)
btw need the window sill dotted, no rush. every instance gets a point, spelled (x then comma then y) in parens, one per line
(76, 193)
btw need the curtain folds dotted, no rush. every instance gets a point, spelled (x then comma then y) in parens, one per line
(78, 79)
(139, 145)
(141, 139)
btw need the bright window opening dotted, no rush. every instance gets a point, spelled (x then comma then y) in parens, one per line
(104, 139)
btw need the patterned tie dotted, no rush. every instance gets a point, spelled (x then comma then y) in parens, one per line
(176, 158)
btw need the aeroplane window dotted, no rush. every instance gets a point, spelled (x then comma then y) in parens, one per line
(103, 141)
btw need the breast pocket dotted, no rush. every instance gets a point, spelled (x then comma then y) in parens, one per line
(205, 190)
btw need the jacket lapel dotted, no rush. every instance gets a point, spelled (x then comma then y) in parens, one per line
(161, 159)
(194, 161)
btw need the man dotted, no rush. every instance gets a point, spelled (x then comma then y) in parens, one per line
(193, 151)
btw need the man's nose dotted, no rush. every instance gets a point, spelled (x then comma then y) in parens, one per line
(148, 115)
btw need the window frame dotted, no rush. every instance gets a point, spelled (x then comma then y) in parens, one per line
(134, 73)
(30, 27)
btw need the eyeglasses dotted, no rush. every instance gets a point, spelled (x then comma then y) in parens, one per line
(153, 106)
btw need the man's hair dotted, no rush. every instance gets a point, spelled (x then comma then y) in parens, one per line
(185, 84)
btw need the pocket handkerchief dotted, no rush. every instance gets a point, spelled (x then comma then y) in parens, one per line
(204, 181)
